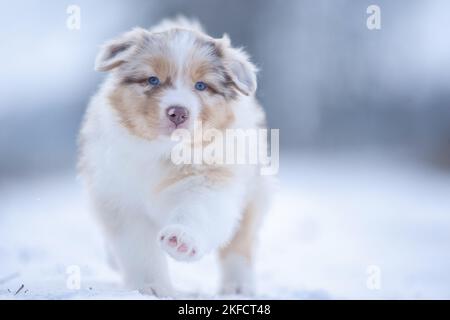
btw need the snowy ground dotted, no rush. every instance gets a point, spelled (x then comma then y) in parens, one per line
(333, 218)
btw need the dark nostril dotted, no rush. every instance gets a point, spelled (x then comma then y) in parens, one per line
(177, 114)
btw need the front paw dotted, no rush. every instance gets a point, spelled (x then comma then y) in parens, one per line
(180, 243)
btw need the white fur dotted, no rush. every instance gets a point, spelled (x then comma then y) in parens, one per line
(237, 275)
(121, 170)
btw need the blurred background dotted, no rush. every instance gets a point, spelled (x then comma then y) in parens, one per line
(327, 81)
(364, 119)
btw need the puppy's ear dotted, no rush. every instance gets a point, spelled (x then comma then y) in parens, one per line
(239, 67)
(115, 52)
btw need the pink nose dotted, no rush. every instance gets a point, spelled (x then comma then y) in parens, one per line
(177, 114)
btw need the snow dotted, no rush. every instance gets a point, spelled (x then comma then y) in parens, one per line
(333, 219)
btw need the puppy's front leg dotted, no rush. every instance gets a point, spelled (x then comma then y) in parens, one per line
(202, 219)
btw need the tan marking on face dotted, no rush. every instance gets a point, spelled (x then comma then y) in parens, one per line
(219, 116)
(197, 70)
(163, 68)
(206, 64)
(138, 113)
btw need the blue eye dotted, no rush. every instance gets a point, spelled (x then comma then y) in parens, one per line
(200, 86)
(154, 81)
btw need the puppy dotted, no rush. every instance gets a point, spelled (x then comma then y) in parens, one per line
(171, 77)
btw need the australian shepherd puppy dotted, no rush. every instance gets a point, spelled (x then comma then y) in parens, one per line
(171, 77)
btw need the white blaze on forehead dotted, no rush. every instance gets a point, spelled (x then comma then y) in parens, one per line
(181, 47)
(186, 46)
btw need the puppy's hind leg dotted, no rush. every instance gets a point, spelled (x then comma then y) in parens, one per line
(236, 259)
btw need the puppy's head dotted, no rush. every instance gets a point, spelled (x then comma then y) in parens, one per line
(174, 76)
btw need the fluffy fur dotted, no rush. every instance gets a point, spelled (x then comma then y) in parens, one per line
(148, 206)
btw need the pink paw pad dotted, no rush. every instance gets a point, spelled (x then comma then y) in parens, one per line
(183, 248)
(178, 244)
(173, 241)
